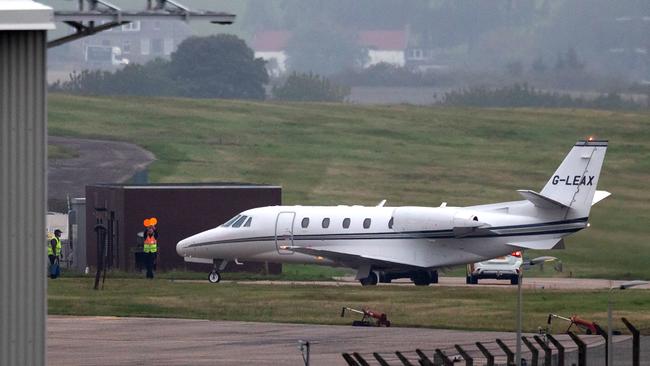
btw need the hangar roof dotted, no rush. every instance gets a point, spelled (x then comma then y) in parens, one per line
(229, 185)
(25, 15)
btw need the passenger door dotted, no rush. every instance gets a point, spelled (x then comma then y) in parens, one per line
(284, 231)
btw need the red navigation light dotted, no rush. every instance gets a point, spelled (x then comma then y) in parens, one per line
(591, 138)
(516, 253)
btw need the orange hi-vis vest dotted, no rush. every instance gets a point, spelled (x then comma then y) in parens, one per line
(150, 244)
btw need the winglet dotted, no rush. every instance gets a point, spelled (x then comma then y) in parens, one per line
(599, 196)
(382, 203)
(540, 201)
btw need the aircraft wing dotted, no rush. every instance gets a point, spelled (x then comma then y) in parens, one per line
(352, 260)
(543, 244)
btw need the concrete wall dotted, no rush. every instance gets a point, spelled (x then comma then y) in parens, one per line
(23, 161)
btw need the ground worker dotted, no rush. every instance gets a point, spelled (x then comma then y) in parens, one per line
(150, 248)
(54, 253)
(54, 247)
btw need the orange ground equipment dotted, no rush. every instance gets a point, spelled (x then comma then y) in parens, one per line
(370, 317)
(585, 325)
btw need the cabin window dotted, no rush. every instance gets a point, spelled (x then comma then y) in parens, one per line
(326, 223)
(305, 222)
(229, 222)
(346, 223)
(248, 222)
(390, 223)
(239, 221)
(366, 223)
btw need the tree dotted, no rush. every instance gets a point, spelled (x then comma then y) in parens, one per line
(324, 51)
(310, 87)
(219, 66)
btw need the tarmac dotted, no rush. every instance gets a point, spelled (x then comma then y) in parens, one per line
(76, 341)
(528, 283)
(98, 161)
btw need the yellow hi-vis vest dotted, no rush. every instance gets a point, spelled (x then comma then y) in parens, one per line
(150, 244)
(58, 247)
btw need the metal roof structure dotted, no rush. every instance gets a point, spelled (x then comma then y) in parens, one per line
(25, 15)
(23, 155)
(98, 15)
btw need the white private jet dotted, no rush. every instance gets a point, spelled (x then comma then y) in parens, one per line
(385, 243)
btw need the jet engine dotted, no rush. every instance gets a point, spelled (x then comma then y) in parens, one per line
(434, 218)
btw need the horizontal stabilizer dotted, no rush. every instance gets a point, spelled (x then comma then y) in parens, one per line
(539, 200)
(599, 196)
(555, 243)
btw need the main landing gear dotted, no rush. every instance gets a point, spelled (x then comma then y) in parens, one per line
(371, 280)
(419, 278)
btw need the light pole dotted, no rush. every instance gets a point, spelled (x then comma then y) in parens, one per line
(532, 262)
(610, 344)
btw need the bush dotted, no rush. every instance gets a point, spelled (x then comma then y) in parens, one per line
(521, 95)
(310, 87)
(385, 74)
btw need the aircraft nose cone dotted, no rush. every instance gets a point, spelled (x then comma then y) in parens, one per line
(181, 247)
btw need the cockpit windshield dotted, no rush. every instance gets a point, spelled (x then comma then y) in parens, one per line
(238, 221)
(229, 222)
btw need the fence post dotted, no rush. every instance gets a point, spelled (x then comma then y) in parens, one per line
(380, 359)
(360, 359)
(444, 359)
(534, 352)
(469, 361)
(486, 353)
(509, 354)
(560, 349)
(406, 362)
(636, 342)
(548, 353)
(582, 349)
(601, 332)
(424, 360)
(349, 359)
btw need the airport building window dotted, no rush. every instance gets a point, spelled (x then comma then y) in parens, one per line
(346, 223)
(326, 223)
(366, 223)
(305, 222)
(239, 221)
(229, 222)
(390, 223)
(248, 222)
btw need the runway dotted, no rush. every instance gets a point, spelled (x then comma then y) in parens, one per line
(80, 341)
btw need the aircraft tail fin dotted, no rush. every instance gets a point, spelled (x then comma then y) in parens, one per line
(574, 182)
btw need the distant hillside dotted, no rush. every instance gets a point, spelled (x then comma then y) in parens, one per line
(347, 154)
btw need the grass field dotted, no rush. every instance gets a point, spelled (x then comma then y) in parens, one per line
(347, 154)
(437, 307)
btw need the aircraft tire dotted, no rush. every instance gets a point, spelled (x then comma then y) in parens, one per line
(214, 277)
(471, 280)
(371, 280)
(421, 278)
(434, 276)
(514, 280)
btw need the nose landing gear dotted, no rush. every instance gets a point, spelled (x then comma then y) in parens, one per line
(219, 265)
(214, 277)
